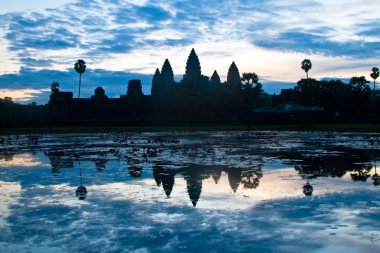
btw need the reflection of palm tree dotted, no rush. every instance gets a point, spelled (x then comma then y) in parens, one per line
(376, 177)
(306, 66)
(307, 189)
(81, 191)
(251, 178)
(361, 173)
(80, 67)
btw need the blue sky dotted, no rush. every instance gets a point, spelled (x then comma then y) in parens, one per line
(121, 40)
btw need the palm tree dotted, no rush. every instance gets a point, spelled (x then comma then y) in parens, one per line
(374, 75)
(249, 78)
(306, 65)
(80, 67)
(54, 87)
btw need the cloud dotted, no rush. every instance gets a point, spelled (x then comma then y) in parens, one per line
(34, 85)
(316, 44)
(122, 35)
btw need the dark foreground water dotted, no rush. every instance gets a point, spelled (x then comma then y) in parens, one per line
(190, 192)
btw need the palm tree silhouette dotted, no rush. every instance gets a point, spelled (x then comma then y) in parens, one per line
(80, 67)
(54, 87)
(306, 65)
(374, 75)
(249, 78)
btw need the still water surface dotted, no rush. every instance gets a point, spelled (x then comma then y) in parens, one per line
(190, 192)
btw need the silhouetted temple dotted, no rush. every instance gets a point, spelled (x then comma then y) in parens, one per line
(200, 99)
(195, 98)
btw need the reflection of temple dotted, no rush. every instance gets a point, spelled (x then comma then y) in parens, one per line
(216, 174)
(100, 164)
(135, 171)
(166, 177)
(234, 178)
(58, 162)
(195, 174)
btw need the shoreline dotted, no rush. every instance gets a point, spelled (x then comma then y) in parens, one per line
(366, 128)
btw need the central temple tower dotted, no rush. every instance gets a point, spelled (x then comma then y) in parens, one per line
(193, 74)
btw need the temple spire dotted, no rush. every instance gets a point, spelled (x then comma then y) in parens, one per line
(233, 78)
(167, 76)
(215, 79)
(156, 82)
(193, 69)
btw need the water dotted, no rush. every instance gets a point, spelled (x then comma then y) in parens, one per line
(190, 192)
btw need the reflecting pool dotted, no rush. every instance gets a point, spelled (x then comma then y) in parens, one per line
(190, 192)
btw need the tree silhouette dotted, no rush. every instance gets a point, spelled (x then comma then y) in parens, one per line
(374, 75)
(306, 66)
(250, 92)
(80, 67)
(359, 85)
(54, 87)
(250, 78)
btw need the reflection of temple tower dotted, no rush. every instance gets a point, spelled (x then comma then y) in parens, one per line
(156, 174)
(193, 176)
(234, 178)
(100, 164)
(216, 173)
(168, 181)
(194, 188)
(135, 171)
(57, 163)
(166, 177)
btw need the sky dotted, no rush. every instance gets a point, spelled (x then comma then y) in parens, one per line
(40, 41)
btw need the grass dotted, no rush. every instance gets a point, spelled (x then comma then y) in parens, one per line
(303, 127)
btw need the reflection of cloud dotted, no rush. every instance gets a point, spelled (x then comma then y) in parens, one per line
(284, 226)
(22, 160)
(9, 195)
